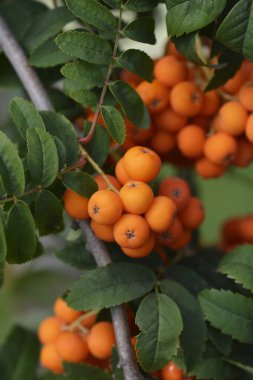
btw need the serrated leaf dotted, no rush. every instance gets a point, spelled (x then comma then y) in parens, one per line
(241, 357)
(87, 46)
(230, 62)
(19, 364)
(77, 255)
(185, 16)
(214, 368)
(42, 157)
(194, 332)
(186, 44)
(129, 100)
(61, 150)
(111, 285)
(138, 63)
(93, 13)
(86, 74)
(80, 182)
(11, 167)
(25, 115)
(141, 29)
(141, 5)
(3, 251)
(191, 280)
(46, 26)
(236, 30)
(238, 265)
(48, 213)
(222, 342)
(59, 126)
(82, 372)
(85, 97)
(20, 234)
(114, 123)
(48, 55)
(232, 313)
(98, 147)
(160, 323)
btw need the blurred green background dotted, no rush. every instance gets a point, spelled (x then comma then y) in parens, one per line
(29, 290)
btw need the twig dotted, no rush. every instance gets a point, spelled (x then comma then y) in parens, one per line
(40, 99)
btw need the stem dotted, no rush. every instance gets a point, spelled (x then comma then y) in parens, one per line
(85, 140)
(13, 198)
(40, 99)
(78, 321)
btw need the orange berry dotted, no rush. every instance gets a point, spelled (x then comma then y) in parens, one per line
(137, 134)
(183, 240)
(101, 182)
(233, 85)
(211, 103)
(191, 140)
(173, 233)
(172, 372)
(102, 231)
(247, 229)
(75, 205)
(201, 121)
(220, 148)
(249, 128)
(88, 322)
(101, 340)
(49, 329)
(155, 95)
(177, 190)
(186, 99)
(144, 250)
(244, 155)
(232, 118)
(170, 71)
(163, 142)
(193, 215)
(170, 121)
(121, 174)
(64, 312)
(50, 359)
(131, 231)
(71, 347)
(161, 214)
(246, 96)
(207, 169)
(141, 163)
(105, 207)
(171, 49)
(136, 197)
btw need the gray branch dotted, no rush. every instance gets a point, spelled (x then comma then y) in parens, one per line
(40, 99)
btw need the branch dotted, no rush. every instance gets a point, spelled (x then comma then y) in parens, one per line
(39, 97)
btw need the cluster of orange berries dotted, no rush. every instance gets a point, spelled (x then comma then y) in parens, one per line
(126, 211)
(190, 127)
(237, 231)
(74, 337)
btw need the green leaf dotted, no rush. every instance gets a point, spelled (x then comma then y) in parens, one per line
(8, 77)
(185, 16)
(160, 323)
(82, 372)
(61, 150)
(98, 147)
(20, 234)
(114, 123)
(42, 157)
(236, 30)
(11, 167)
(238, 265)
(140, 5)
(93, 13)
(230, 62)
(194, 332)
(77, 255)
(232, 313)
(214, 368)
(111, 285)
(86, 74)
(25, 115)
(20, 364)
(186, 44)
(59, 126)
(241, 357)
(141, 29)
(85, 97)
(48, 55)
(87, 46)
(80, 182)
(48, 213)
(129, 100)
(46, 26)
(222, 342)
(138, 63)
(3, 246)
